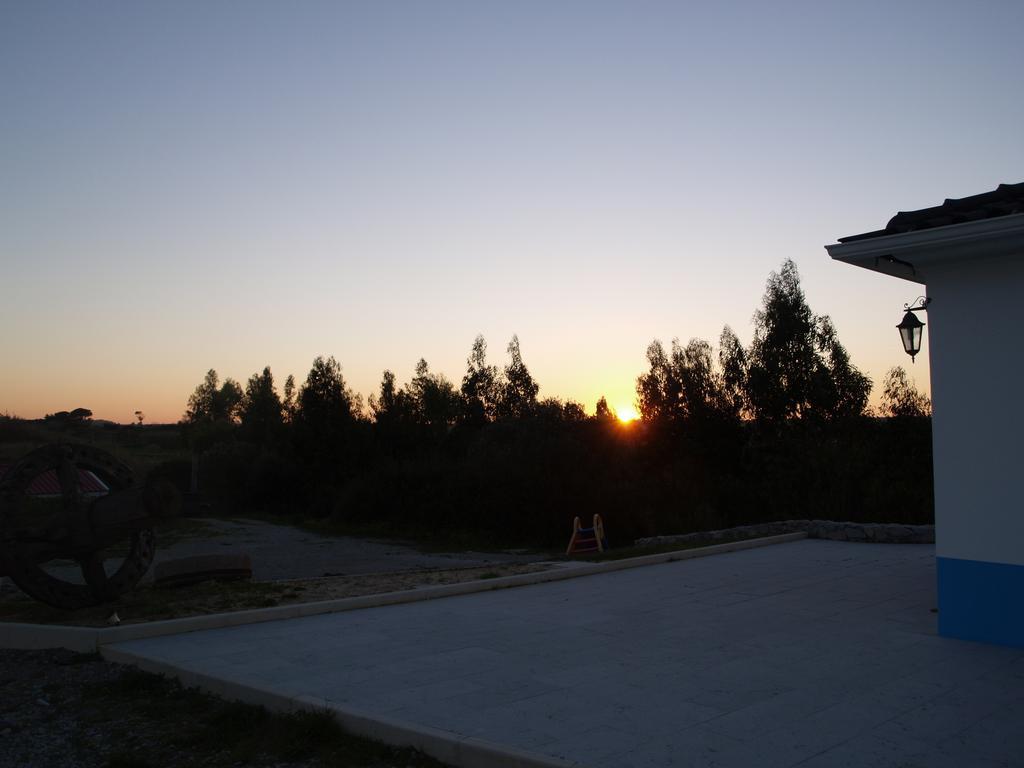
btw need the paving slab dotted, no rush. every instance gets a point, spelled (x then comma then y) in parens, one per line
(808, 653)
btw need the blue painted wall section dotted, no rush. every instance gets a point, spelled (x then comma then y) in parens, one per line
(981, 601)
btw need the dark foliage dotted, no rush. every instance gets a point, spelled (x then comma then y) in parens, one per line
(324, 423)
(517, 392)
(213, 402)
(773, 431)
(15, 430)
(479, 386)
(261, 411)
(900, 398)
(796, 366)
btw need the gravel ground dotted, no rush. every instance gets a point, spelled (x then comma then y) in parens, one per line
(289, 565)
(41, 723)
(286, 552)
(64, 710)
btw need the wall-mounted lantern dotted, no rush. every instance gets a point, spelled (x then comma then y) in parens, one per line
(911, 329)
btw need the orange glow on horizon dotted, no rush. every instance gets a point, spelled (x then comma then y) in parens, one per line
(626, 414)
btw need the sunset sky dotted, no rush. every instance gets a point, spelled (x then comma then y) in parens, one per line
(186, 186)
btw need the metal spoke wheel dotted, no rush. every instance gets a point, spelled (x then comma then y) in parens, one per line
(46, 518)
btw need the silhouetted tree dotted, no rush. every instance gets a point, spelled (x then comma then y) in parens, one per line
(393, 411)
(324, 400)
(518, 389)
(732, 359)
(437, 402)
(323, 427)
(573, 411)
(782, 358)
(228, 400)
(480, 391)
(550, 410)
(288, 403)
(701, 386)
(212, 412)
(392, 405)
(900, 397)
(69, 419)
(602, 411)
(684, 388)
(841, 390)
(657, 390)
(212, 402)
(796, 365)
(261, 411)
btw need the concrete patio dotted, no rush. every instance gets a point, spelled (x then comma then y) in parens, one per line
(810, 653)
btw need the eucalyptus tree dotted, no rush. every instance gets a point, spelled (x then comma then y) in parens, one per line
(900, 398)
(480, 390)
(518, 390)
(796, 366)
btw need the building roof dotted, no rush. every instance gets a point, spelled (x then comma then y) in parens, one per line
(1005, 200)
(46, 483)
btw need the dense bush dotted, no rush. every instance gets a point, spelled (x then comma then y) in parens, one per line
(519, 484)
(774, 431)
(15, 430)
(177, 471)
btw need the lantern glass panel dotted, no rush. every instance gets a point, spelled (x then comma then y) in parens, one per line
(910, 333)
(905, 337)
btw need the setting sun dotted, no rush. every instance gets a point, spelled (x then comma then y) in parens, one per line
(626, 413)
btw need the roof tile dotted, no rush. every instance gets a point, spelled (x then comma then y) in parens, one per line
(1005, 200)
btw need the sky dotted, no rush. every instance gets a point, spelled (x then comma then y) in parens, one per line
(197, 185)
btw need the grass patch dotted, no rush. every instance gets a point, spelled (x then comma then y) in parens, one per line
(169, 720)
(148, 604)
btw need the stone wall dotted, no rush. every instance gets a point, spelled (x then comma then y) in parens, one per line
(887, 533)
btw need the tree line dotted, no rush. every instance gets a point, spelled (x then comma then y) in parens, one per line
(325, 402)
(779, 428)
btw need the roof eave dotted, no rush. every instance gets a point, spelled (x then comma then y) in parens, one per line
(908, 255)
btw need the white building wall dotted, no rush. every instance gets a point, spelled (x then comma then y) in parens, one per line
(975, 326)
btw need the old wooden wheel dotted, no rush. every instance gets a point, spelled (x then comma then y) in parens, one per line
(69, 524)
